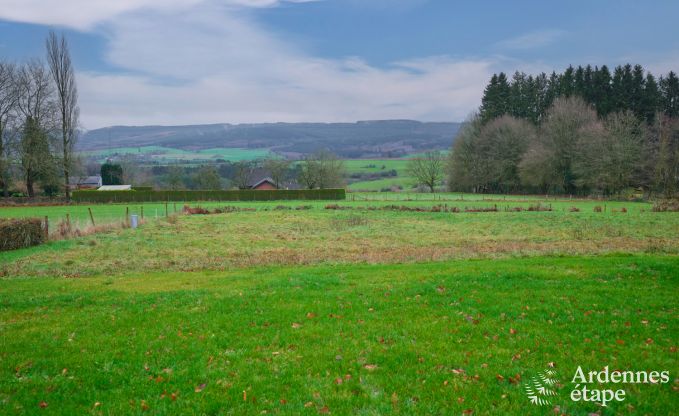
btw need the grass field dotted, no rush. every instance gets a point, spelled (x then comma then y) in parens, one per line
(376, 166)
(110, 213)
(168, 155)
(354, 311)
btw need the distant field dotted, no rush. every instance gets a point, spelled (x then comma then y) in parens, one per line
(377, 166)
(168, 154)
(374, 165)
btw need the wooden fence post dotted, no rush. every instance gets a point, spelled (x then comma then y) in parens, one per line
(166, 208)
(68, 222)
(91, 217)
(47, 228)
(127, 215)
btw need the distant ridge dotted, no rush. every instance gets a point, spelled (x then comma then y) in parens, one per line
(370, 138)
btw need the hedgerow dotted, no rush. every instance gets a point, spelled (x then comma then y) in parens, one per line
(240, 195)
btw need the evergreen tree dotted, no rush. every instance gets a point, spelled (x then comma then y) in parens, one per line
(543, 96)
(588, 84)
(602, 91)
(518, 105)
(670, 94)
(111, 174)
(650, 101)
(495, 101)
(567, 82)
(489, 101)
(636, 93)
(579, 86)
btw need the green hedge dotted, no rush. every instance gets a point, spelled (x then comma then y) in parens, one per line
(178, 196)
(21, 232)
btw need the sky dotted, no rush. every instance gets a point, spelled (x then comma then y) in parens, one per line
(169, 62)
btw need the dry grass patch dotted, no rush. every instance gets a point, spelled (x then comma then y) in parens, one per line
(277, 237)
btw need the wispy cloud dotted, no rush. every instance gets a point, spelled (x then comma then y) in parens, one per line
(532, 40)
(209, 61)
(85, 14)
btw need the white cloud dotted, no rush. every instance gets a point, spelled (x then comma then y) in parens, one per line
(208, 61)
(84, 14)
(220, 66)
(532, 40)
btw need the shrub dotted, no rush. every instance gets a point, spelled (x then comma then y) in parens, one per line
(540, 207)
(20, 233)
(240, 195)
(195, 210)
(481, 209)
(666, 205)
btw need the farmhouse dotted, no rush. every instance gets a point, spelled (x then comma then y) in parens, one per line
(264, 184)
(84, 182)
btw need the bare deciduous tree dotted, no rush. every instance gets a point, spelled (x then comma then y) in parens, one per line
(666, 172)
(8, 101)
(567, 121)
(34, 103)
(308, 173)
(61, 68)
(465, 161)
(608, 158)
(175, 177)
(242, 173)
(427, 170)
(207, 178)
(322, 170)
(486, 158)
(34, 89)
(278, 169)
(331, 170)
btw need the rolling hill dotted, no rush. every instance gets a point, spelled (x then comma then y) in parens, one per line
(384, 138)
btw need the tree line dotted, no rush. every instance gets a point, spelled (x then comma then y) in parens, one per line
(628, 88)
(584, 131)
(39, 121)
(319, 170)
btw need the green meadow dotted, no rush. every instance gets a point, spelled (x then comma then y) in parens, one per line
(376, 167)
(163, 154)
(374, 305)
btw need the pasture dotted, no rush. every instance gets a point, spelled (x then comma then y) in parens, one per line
(384, 303)
(376, 167)
(163, 154)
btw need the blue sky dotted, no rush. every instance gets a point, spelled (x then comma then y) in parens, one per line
(203, 61)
